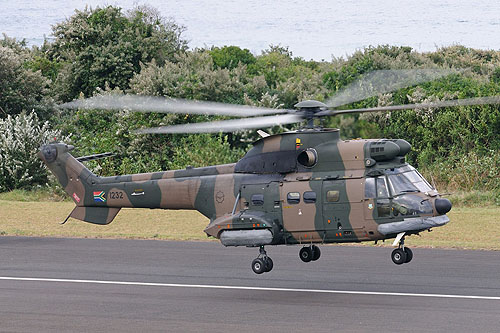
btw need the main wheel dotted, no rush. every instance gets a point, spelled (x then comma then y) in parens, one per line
(316, 253)
(398, 256)
(269, 264)
(258, 266)
(409, 254)
(306, 254)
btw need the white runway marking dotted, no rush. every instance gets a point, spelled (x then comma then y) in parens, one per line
(208, 286)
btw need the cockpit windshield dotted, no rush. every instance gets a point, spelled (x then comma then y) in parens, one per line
(406, 180)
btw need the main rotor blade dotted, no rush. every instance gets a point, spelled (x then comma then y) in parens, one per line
(384, 81)
(168, 105)
(231, 125)
(440, 104)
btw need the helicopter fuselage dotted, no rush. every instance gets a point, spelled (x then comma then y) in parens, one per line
(294, 188)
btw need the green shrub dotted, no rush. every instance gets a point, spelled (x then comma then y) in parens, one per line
(20, 87)
(204, 149)
(231, 56)
(20, 138)
(103, 46)
(467, 172)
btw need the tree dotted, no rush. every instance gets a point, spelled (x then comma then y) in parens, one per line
(230, 56)
(104, 47)
(20, 87)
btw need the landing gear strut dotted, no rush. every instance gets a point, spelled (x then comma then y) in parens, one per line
(262, 263)
(309, 253)
(402, 254)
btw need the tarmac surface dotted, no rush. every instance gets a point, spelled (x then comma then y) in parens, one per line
(98, 285)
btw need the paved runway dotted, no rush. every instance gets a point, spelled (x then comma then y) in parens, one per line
(79, 285)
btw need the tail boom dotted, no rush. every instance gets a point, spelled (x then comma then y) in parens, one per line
(99, 199)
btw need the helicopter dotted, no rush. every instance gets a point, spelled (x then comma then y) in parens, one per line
(305, 187)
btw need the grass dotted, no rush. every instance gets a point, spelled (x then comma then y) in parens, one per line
(474, 198)
(475, 228)
(37, 194)
(42, 219)
(470, 227)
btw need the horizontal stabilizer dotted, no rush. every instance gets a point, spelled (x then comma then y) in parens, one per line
(96, 215)
(94, 157)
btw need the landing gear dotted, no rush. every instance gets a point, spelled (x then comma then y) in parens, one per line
(309, 253)
(398, 256)
(269, 264)
(316, 252)
(305, 254)
(402, 254)
(262, 263)
(409, 254)
(258, 266)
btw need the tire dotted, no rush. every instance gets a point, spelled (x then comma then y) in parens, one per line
(269, 264)
(305, 254)
(409, 255)
(258, 266)
(398, 256)
(316, 253)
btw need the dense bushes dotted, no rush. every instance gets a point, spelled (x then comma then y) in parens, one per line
(20, 138)
(104, 47)
(20, 87)
(106, 51)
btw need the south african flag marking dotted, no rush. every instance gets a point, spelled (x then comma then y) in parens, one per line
(100, 196)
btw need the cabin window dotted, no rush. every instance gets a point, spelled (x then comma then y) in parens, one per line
(370, 188)
(293, 198)
(258, 199)
(309, 197)
(332, 196)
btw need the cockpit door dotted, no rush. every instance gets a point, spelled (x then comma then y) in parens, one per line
(369, 201)
(377, 198)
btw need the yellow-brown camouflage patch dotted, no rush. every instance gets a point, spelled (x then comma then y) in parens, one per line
(75, 188)
(272, 143)
(224, 197)
(299, 219)
(178, 194)
(352, 154)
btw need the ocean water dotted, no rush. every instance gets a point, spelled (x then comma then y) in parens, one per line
(317, 29)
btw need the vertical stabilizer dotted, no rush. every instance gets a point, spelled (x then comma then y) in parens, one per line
(74, 177)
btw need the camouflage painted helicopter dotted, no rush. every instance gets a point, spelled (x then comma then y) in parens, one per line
(303, 187)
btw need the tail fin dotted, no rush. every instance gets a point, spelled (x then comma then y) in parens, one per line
(74, 177)
(77, 181)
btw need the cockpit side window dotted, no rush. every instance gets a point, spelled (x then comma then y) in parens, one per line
(382, 188)
(370, 188)
(383, 201)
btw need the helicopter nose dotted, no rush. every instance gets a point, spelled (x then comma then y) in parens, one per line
(443, 206)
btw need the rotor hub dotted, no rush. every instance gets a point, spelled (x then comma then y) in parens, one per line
(310, 108)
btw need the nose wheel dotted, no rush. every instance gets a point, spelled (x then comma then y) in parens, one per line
(262, 263)
(309, 253)
(403, 254)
